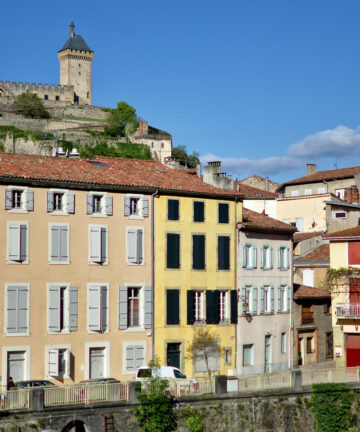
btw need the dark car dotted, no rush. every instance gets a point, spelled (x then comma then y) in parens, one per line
(34, 383)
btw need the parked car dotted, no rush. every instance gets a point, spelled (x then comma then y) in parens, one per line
(164, 372)
(34, 383)
(100, 381)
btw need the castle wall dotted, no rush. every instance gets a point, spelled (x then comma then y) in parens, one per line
(49, 92)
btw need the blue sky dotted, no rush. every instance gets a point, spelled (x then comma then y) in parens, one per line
(265, 86)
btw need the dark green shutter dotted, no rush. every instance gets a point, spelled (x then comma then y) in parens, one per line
(234, 307)
(223, 253)
(223, 213)
(198, 252)
(173, 209)
(209, 307)
(199, 211)
(216, 307)
(173, 251)
(172, 307)
(190, 307)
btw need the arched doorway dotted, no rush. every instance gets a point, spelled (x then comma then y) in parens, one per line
(75, 426)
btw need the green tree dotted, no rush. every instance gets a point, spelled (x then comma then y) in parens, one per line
(123, 150)
(122, 120)
(204, 345)
(191, 160)
(31, 106)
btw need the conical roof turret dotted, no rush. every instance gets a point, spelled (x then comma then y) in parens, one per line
(75, 41)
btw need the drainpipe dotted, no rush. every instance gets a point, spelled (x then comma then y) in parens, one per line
(291, 332)
(153, 274)
(235, 277)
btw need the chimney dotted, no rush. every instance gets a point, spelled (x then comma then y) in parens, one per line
(352, 195)
(311, 169)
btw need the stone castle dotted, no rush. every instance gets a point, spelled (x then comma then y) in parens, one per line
(75, 59)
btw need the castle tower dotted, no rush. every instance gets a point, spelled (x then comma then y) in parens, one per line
(75, 59)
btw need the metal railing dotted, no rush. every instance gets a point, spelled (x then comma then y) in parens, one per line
(15, 399)
(85, 394)
(347, 309)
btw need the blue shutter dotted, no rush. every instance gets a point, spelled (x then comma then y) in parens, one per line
(54, 309)
(148, 307)
(243, 292)
(89, 204)
(233, 306)
(262, 257)
(279, 298)
(272, 299)
(254, 300)
(12, 309)
(126, 206)
(287, 258)
(139, 356)
(94, 308)
(145, 207)
(30, 200)
(14, 242)
(254, 256)
(63, 243)
(288, 298)
(244, 255)
(123, 307)
(95, 244)
(278, 257)
(131, 245)
(130, 358)
(70, 202)
(23, 245)
(55, 243)
(22, 309)
(103, 245)
(73, 308)
(271, 256)
(109, 205)
(50, 201)
(262, 299)
(103, 312)
(139, 246)
(8, 199)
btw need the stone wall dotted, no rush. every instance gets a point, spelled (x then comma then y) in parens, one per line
(10, 90)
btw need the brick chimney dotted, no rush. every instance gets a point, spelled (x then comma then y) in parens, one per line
(352, 195)
(311, 169)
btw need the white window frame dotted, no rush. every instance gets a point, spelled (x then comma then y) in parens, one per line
(267, 258)
(284, 258)
(100, 284)
(103, 195)
(340, 193)
(199, 306)
(224, 304)
(252, 345)
(67, 373)
(5, 351)
(64, 203)
(139, 214)
(295, 193)
(129, 228)
(24, 190)
(141, 288)
(308, 191)
(51, 261)
(321, 190)
(249, 295)
(284, 307)
(267, 293)
(91, 262)
(125, 346)
(65, 285)
(334, 214)
(8, 260)
(250, 264)
(106, 347)
(283, 343)
(7, 285)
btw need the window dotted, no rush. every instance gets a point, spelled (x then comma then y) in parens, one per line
(59, 361)
(221, 306)
(337, 214)
(198, 252)
(134, 357)
(267, 299)
(98, 241)
(135, 307)
(329, 345)
(57, 98)
(283, 343)
(224, 306)
(17, 310)
(308, 191)
(249, 299)
(62, 308)
(173, 251)
(223, 213)
(223, 253)
(135, 245)
(136, 206)
(309, 345)
(227, 356)
(59, 244)
(340, 193)
(19, 200)
(283, 257)
(60, 202)
(294, 193)
(283, 298)
(308, 277)
(98, 308)
(199, 211)
(18, 239)
(99, 204)
(173, 209)
(266, 261)
(248, 354)
(299, 223)
(321, 190)
(307, 314)
(195, 306)
(46, 97)
(249, 256)
(172, 307)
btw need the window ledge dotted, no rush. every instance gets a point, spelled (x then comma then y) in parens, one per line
(134, 329)
(135, 264)
(17, 262)
(62, 332)
(17, 334)
(59, 262)
(98, 215)
(138, 217)
(98, 263)
(59, 213)
(18, 211)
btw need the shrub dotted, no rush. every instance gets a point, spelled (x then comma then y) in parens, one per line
(31, 106)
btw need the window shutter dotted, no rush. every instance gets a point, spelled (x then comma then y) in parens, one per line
(223, 213)
(67, 355)
(55, 243)
(73, 308)
(53, 362)
(223, 253)
(123, 300)
(199, 211)
(244, 255)
(190, 307)
(272, 299)
(209, 307)
(288, 299)
(14, 242)
(262, 257)
(173, 209)
(243, 298)
(216, 306)
(95, 244)
(126, 206)
(103, 312)
(94, 308)
(70, 202)
(279, 298)
(50, 201)
(103, 245)
(12, 307)
(262, 300)
(89, 204)
(8, 199)
(23, 254)
(173, 250)
(254, 260)
(279, 257)
(145, 207)
(254, 299)
(234, 307)
(131, 245)
(148, 307)
(63, 243)
(130, 357)
(287, 258)
(30, 200)
(172, 307)
(139, 246)
(54, 309)
(109, 205)
(198, 252)
(139, 356)
(22, 309)
(271, 256)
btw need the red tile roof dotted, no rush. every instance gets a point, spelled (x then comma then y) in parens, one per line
(304, 291)
(350, 232)
(256, 220)
(325, 175)
(321, 253)
(298, 237)
(112, 172)
(253, 192)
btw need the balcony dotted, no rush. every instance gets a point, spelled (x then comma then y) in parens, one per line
(348, 310)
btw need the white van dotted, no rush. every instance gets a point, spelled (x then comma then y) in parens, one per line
(165, 372)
